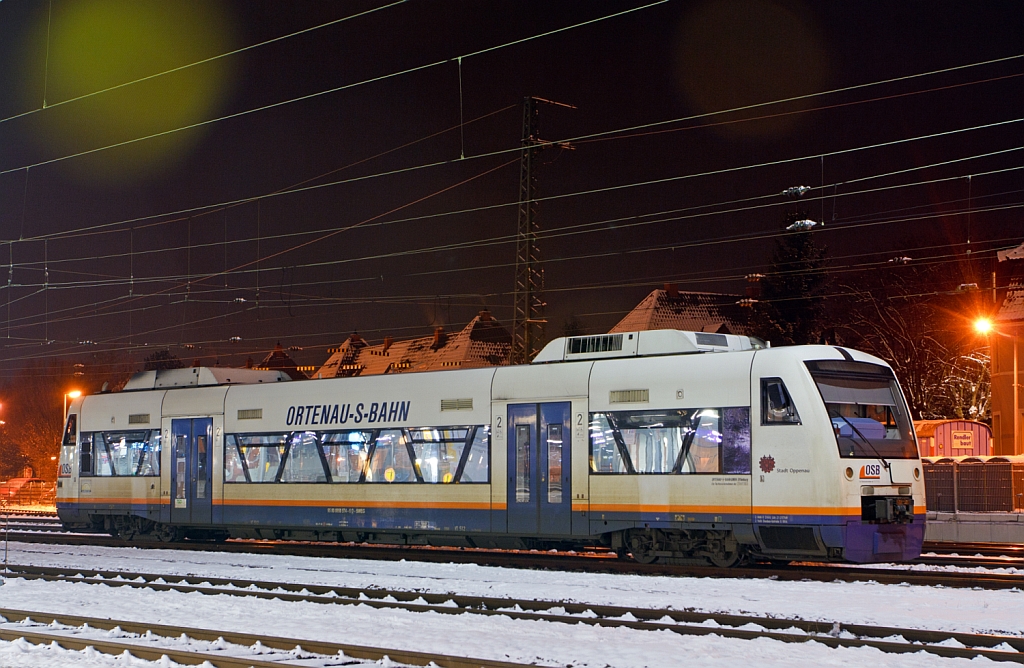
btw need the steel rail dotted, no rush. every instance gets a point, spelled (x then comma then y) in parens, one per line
(683, 622)
(986, 549)
(597, 562)
(328, 649)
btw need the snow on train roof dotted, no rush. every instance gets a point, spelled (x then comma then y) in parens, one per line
(642, 344)
(202, 375)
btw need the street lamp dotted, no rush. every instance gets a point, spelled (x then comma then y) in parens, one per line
(74, 394)
(984, 326)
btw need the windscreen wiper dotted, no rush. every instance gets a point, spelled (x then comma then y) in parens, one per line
(865, 439)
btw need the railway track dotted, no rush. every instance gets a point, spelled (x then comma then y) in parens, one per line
(984, 549)
(14, 511)
(15, 523)
(592, 562)
(222, 649)
(684, 622)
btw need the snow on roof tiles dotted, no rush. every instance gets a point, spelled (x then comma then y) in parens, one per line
(688, 311)
(1011, 254)
(481, 343)
(1012, 308)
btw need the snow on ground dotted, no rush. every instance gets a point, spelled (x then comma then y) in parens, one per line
(498, 637)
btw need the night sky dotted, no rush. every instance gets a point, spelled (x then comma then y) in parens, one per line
(132, 248)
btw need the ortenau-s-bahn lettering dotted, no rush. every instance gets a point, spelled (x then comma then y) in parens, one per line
(330, 414)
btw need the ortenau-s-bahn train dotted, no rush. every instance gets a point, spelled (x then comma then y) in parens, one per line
(671, 446)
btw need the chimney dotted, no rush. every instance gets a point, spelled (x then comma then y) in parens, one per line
(754, 285)
(387, 343)
(248, 363)
(485, 316)
(672, 290)
(440, 338)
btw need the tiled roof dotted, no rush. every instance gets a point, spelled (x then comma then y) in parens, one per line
(483, 342)
(688, 311)
(279, 360)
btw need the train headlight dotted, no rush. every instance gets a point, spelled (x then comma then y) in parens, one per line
(917, 474)
(849, 473)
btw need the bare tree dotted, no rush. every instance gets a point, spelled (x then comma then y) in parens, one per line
(911, 319)
(33, 402)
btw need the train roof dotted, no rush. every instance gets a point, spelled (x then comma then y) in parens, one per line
(643, 344)
(200, 376)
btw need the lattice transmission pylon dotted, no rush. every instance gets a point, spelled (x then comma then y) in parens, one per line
(528, 310)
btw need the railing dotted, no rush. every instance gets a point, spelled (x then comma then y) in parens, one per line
(36, 495)
(973, 487)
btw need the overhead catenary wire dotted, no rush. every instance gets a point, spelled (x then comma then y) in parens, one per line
(423, 299)
(822, 179)
(705, 242)
(335, 89)
(563, 231)
(440, 163)
(179, 68)
(167, 279)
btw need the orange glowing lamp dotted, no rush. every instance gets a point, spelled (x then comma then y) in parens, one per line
(983, 325)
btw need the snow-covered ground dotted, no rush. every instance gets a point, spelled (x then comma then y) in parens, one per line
(495, 637)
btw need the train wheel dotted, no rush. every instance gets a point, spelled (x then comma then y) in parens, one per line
(167, 533)
(724, 559)
(125, 528)
(644, 548)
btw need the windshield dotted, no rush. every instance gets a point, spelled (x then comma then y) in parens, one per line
(869, 416)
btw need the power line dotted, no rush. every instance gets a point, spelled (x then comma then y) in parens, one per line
(335, 89)
(589, 226)
(180, 68)
(690, 245)
(404, 170)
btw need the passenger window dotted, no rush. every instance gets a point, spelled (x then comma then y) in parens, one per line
(233, 471)
(776, 405)
(478, 460)
(303, 463)
(390, 461)
(346, 453)
(606, 450)
(101, 452)
(704, 452)
(262, 455)
(439, 451)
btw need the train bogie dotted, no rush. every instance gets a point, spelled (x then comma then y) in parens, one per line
(669, 446)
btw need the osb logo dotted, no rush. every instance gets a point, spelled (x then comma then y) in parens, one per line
(767, 464)
(870, 472)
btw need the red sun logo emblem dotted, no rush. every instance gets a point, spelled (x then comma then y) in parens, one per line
(767, 464)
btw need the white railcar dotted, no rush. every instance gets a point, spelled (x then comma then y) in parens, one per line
(663, 445)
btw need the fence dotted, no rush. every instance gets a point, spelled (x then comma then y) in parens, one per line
(36, 493)
(974, 486)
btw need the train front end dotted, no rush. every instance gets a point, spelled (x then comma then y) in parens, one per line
(858, 479)
(881, 467)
